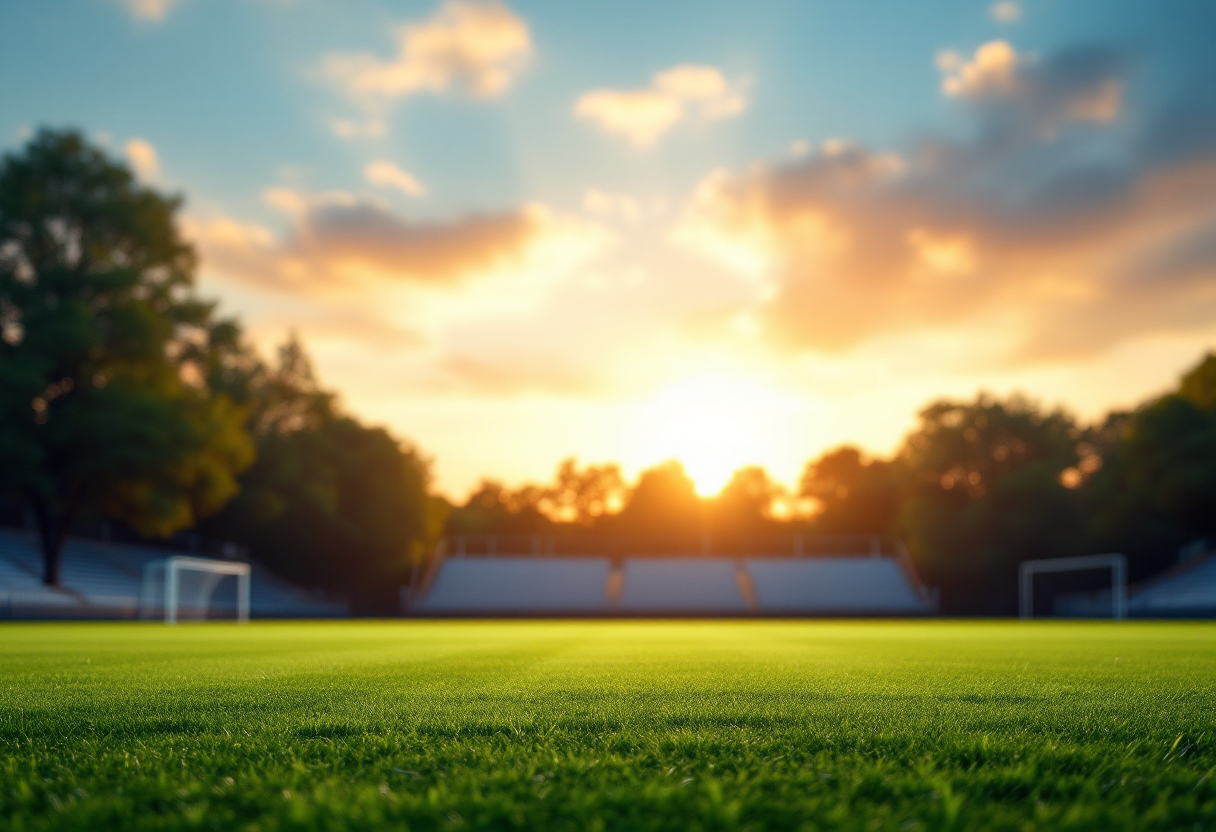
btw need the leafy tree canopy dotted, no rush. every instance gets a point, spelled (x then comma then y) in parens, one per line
(1156, 488)
(107, 358)
(854, 494)
(329, 502)
(987, 485)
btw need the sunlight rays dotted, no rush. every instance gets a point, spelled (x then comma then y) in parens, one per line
(713, 425)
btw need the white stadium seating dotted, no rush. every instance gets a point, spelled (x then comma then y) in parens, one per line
(835, 585)
(103, 580)
(689, 585)
(1189, 590)
(681, 585)
(490, 585)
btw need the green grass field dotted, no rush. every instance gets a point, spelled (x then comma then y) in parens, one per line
(608, 725)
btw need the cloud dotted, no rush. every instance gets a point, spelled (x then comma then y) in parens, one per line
(475, 46)
(151, 10)
(338, 242)
(612, 206)
(1077, 84)
(143, 160)
(990, 72)
(1053, 242)
(387, 175)
(1005, 11)
(369, 284)
(370, 128)
(675, 95)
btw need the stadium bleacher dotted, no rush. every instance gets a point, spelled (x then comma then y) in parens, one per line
(681, 585)
(1186, 591)
(103, 580)
(490, 584)
(831, 585)
(518, 585)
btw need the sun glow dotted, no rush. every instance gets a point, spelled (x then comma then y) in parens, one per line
(713, 426)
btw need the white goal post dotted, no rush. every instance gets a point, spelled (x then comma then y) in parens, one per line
(182, 587)
(1117, 564)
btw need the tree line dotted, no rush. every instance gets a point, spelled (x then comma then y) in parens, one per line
(976, 488)
(124, 395)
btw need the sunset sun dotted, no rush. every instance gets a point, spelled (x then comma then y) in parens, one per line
(712, 424)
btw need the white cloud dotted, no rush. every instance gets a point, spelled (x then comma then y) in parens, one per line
(384, 174)
(992, 71)
(153, 10)
(1006, 11)
(677, 94)
(372, 128)
(703, 86)
(477, 46)
(142, 157)
(612, 206)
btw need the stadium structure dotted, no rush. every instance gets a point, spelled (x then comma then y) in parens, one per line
(543, 576)
(503, 576)
(1188, 590)
(103, 580)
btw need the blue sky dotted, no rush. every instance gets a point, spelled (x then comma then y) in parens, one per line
(580, 229)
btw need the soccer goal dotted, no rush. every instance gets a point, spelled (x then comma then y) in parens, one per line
(180, 588)
(1117, 564)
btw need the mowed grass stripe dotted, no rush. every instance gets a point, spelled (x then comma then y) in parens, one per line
(608, 725)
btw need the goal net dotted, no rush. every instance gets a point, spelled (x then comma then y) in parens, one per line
(182, 588)
(1114, 601)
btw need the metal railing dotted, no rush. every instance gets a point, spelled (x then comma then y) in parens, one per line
(702, 545)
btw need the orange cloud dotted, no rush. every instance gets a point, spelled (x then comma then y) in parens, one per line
(1080, 84)
(675, 95)
(992, 71)
(476, 46)
(337, 241)
(1011, 237)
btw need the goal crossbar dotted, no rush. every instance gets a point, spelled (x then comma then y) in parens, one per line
(173, 567)
(1117, 564)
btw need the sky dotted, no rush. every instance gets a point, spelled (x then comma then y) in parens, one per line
(721, 232)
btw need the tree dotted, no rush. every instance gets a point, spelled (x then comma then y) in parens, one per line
(1155, 489)
(584, 496)
(664, 510)
(329, 502)
(987, 485)
(107, 356)
(1198, 386)
(495, 509)
(742, 509)
(855, 495)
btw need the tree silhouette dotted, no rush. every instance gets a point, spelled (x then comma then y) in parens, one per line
(741, 511)
(1156, 488)
(329, 502)
(664, 512)
(107, 357)
(584, 496)
(985, 489)
(855, 495)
